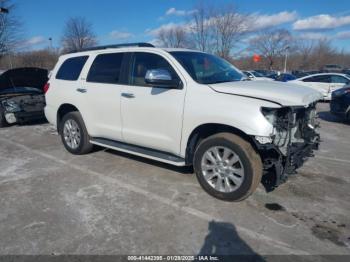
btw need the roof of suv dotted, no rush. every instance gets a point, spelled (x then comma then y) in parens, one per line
(127, 49)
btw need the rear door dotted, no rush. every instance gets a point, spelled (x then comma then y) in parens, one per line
(151, 115)
(100, 90)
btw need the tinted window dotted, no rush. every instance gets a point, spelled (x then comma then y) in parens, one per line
(147, 61)
(106, 68)
(319, 79)
(339, 80)
(71, 68)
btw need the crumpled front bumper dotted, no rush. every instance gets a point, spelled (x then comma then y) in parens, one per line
(281, 165)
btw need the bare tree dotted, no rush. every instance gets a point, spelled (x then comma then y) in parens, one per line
(271, 44)
(228, 26)
(173, 37)
(78, 34)
(200, 28)
(302, 57)
(324, 53)
(10, 28)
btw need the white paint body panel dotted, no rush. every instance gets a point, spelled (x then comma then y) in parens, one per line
(164, 119)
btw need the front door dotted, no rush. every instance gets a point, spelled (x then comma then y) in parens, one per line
(152, 116)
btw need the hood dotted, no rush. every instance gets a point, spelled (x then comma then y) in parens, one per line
(284, 94)
(24, 77)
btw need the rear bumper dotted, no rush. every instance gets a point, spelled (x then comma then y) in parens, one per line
(51, 114)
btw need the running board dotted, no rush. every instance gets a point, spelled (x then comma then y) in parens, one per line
(139, 151)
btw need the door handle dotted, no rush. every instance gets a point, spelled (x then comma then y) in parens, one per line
(81, 90)
(128, 95)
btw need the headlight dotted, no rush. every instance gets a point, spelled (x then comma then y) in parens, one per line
(270, 114)
(11, 106)
(280, 118)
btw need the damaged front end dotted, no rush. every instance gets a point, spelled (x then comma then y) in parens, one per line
(293, 140)
(23, 108)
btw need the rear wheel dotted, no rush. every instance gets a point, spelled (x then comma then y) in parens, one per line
(227, 167)
(347, 117)
(3, 122)
(74, 135)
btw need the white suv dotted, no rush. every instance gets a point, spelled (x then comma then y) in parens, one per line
(183, 107)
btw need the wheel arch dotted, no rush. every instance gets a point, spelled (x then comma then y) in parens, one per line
(62, 111)
(205, 130)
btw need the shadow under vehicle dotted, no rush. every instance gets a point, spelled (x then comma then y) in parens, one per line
(22, 95)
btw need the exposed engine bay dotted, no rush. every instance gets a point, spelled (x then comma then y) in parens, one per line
(294, 139)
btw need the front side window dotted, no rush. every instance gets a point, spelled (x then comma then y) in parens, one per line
(142, 62)
(207, 69)
(106, 68)
(71, 68)
(318, 79)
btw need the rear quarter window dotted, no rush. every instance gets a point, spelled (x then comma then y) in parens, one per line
(71, 68)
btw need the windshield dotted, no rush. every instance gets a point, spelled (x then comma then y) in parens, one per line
(257, 74)
(207, 69)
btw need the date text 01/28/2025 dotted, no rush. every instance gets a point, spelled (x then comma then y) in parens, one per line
(173, 258)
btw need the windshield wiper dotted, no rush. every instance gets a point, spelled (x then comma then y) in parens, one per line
(222, 81)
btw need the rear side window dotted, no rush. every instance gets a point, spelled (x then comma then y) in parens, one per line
(106, 68)
(71, 68)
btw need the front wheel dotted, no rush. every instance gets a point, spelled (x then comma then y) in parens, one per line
(227, 167)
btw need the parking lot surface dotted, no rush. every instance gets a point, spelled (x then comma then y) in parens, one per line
(112, 203)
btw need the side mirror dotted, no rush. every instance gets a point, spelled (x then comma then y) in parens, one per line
(161, 78)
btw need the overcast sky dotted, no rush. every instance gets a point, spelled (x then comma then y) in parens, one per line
(137, 20)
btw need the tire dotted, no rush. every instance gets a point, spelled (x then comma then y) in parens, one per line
(248, 169)
(3, 122)
(347, 117)
(70, 140)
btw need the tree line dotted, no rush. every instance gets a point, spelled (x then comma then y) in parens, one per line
(220, 30)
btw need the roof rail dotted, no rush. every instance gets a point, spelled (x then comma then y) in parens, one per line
(115, 46)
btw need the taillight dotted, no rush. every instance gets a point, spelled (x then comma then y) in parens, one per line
(46, 87)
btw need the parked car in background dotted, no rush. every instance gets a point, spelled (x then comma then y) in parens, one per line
(255, 76)
(285, 77)
(332, 69)
(313, 72)
(346, 71)
(299, 74)
(264, 72)
(340, 103)
(22, 95)
(183, 107)
(325, 83)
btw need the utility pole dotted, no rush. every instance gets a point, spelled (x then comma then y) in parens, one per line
(50, 39)
(285, 59)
